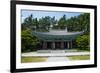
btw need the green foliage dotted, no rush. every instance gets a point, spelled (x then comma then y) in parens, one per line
(28, 41)
(83, 42)
(43, 24)
(62, 22)
(79, 23)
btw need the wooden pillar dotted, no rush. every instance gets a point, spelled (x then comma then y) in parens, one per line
(44, 45)
(62, 45)
(68, 45)
(53, 45)
(71, 45)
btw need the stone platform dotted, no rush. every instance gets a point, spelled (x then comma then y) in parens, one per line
(56, 51)
(48, 53)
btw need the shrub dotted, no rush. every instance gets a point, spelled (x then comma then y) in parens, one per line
(28, 41)
(83, 42)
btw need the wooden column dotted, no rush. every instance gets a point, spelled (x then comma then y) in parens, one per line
(44, 45)
(68, 45)
(62, 45)
(71, 44)
(53, 45)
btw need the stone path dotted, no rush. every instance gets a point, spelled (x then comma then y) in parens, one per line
(52, 59)
(55, 55)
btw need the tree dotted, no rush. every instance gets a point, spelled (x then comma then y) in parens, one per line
(62, 22)
(83, 42)
(28, 41)
(79, 23)
(28, 21)
(46, 22)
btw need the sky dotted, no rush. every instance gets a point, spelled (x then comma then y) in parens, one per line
(39, 14)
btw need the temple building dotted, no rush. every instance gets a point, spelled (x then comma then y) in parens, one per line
(57, 39)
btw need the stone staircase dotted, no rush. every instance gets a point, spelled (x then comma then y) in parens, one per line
(55, 51)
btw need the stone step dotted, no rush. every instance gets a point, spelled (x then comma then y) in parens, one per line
(55, 51)
(58, 51)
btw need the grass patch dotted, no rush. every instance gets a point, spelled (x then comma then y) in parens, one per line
(27, 51)
(33, 59)
(83, 57)
(83, 50)
(76, 50)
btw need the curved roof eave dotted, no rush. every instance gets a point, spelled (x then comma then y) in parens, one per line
(46, 36)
